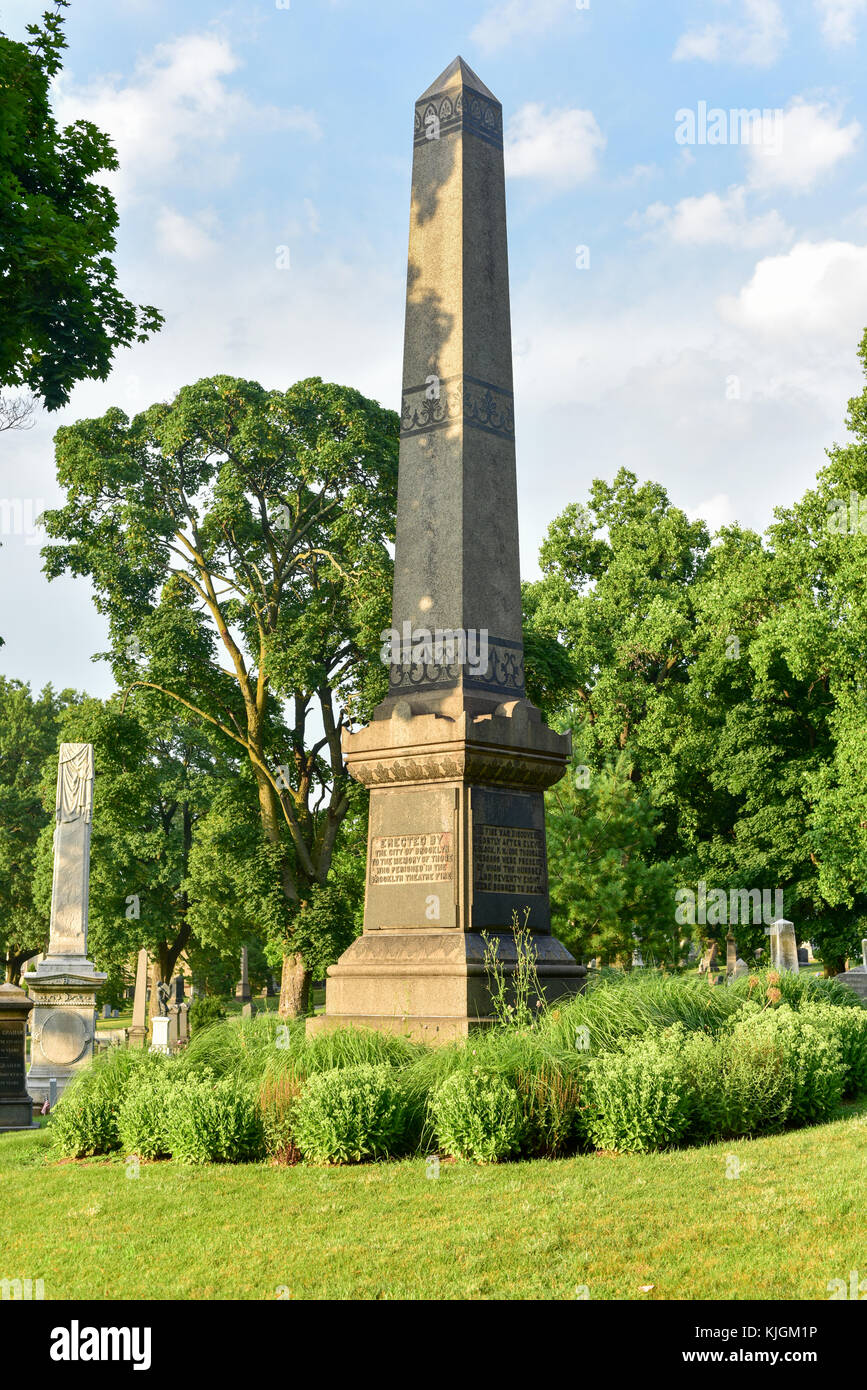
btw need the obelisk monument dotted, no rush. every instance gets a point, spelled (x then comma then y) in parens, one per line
(456, 757)
(64, 984)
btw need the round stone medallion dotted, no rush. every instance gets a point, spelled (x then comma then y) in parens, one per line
(63, 1038)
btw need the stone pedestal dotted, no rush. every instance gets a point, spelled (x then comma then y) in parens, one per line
(784, 946)
(16, 1106)
(161, 1026)
(63, 1028)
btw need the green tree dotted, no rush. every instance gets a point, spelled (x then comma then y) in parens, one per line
(609, 893)
(62, 317)
(29, 729)
(237, 542)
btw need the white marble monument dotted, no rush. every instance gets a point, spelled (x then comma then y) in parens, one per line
(64, 984)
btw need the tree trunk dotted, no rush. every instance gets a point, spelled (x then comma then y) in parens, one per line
(294, 988)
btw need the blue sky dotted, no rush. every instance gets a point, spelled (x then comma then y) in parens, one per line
(709, 344)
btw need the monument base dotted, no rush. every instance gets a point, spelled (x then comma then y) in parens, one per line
(63, 1026)
(434, 986)
(16, 1115)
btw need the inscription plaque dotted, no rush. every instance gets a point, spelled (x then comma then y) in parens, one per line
(411, 858)
(508, 859)
(12, 1073)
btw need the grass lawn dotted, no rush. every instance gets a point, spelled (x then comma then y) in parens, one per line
(793, 1220)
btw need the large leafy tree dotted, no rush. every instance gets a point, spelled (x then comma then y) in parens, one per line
(62, 316)
(237, 542)
(29, 728)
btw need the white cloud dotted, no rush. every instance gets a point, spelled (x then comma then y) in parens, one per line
(515, 19)
(559, 147)
(712, 219)
(756, 41)
(809, 141)
(173, 116)
(838, 19)
(717, 511)
(815, 291)
(184, 237)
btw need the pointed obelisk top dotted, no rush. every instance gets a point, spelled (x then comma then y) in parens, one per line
(458, 74)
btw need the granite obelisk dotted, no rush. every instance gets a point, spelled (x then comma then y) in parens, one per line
(64, 984)
(456, 757)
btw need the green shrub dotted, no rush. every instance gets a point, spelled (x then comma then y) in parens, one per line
(848, 1027)
(84, 1122)
(208, 1121)
(352, 1113)
(205, 1010)
(142, 1121)
(638, 1098)
(813, 1061)
(477, 1115)
(735, 1089)
(551, 1099)
(619, 1008)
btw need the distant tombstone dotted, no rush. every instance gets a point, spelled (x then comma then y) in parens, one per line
(16, 1106)
(731, 955)
(857, 979)
(139, 1030)
(183, 1024)
(106, 1011)
(242, 990)
(160, 1041)
(784, 946)
(173, 1026)
(803, 957)
(741, 968)
(248, 1010)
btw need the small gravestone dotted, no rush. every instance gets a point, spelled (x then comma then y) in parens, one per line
(741, 968)
(106, 1011)
(16, 1106)
(857, 979)
(160, 1026)
(183, 1024)
(248, 1010)
(731, 955)
(803, 957)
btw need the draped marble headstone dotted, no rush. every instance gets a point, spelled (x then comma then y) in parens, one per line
(456, 757)
(64, 984)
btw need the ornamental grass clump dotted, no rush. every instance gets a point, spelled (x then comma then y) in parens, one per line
(477, 1115)
(353, 1113)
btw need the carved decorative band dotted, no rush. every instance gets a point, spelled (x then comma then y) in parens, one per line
(469, 110)
(447, 400)
(504, 673)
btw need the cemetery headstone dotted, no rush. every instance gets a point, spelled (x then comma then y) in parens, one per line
(242, 990)
(248, 1010)
(456, 757)
(784, 946)
(139, 1030)
(741, 968)
(731, 955)
(160, 1033)
(16, 1105)
(64, 984)
(857, 978)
